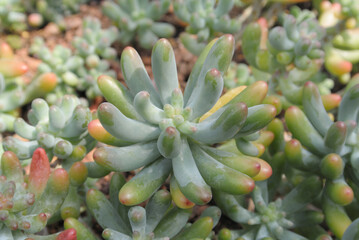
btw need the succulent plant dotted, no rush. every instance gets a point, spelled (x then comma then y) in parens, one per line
(328, 149)
(95, 40)
(206, 20)
(334, 14)
(340, 18)
(60, 61)
(139, 20)
(60, 129)
(274, 219)
(74, 200)
(173, 132)
(342, 53)
(52, 10)
(26, 206)
(77, 70)
(238, 75)
(14, 90)
(160, 219)
(291, 53)
(12, 16)
(94, 47)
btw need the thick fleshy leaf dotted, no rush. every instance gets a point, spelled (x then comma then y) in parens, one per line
(115, 93)
(164, 69)
(145, 183)
(303, 130)
(122, 127)
(104, 212)
(135, 75)
(314, 109)
(220, 176)
(123, 159)
(188, 176)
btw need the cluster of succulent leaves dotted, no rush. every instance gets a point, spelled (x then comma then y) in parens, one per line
(18, 15)
(26, 206)
(329, 148)
(52, 10)
(161, 219)
(274, 218)
(14, 90)
(206, 20)
(341, 20)
(139, 20)
(61, 129)
(78, 70)
(183, 149)
(291, 53)
(12, 15)
(238, 75)
(174, 134)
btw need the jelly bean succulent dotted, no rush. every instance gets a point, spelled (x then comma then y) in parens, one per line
(275, 218)
(292, 53)
(94, 47)
(172, 132)
(12, 16)
(160, 219)
(342, 53)
(27, 205)
(340, 18)
(14, 90)
(96, 40)
(238, 75)
(52, 10)
(139, 20)
(334, 13)
(328, 149)
(75, 71)
(60, 61)
(60, 129)
(71, 207)
(206, 20)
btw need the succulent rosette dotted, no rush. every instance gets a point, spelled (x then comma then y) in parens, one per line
(26, 206)
(159, 220)
(139, 20)
(157, 127)
(60, 129)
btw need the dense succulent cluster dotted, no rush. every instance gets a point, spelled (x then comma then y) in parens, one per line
(95, 41)
(14, 90)
(206, 20)
(51, 10)
(173, 132)
(292, 53)
(275, 219)
(60, 61)
(342, 52)
(330, 148)
(12, 15)
(94, 47)
(19, 15)
(78, 71)
(153, 222)
(139, 20)
(271, 135)
(334, 13)
(60, 129)
(238, 75)
(27, 206)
